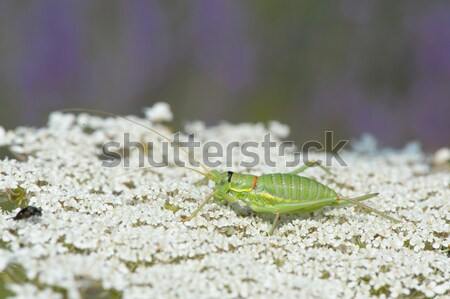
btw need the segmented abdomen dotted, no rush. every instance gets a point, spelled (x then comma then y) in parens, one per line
(293, 187)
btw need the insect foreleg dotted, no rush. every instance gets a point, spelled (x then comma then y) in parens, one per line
(207, 199)
(308, 165)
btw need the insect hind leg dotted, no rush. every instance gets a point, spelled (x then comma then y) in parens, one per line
(357, 202)
(294, 207)
(305, 206)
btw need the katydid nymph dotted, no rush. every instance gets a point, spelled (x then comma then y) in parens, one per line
(275, 193)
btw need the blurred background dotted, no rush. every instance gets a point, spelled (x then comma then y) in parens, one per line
(351, 66)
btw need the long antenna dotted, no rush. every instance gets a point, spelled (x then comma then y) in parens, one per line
(146, 127)
(148, 168)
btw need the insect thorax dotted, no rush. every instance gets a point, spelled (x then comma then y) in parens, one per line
(242, 182)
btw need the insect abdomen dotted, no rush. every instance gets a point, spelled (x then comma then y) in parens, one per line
(293, 187)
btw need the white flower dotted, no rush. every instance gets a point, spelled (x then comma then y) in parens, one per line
(61, 121)
(5, 258)
(440, 157)
(126, 233)
(3, 139)
(159, 112)
(278, 129)
(367, 143)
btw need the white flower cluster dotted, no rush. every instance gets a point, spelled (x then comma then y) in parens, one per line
(159, 112)
(114, 230)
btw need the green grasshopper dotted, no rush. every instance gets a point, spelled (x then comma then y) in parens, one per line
(274, 193)
(279, 193)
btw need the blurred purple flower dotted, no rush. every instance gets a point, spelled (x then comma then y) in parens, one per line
(366, 68)
(50, 63)
(430, 107)
(222, 47)
(144, 41)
